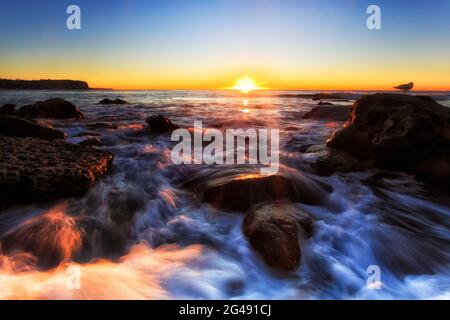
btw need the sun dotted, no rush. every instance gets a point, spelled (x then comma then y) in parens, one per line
(245, 85)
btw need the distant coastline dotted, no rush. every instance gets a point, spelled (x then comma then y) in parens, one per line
(45, 84)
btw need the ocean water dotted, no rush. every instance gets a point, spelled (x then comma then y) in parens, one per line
(140, 234)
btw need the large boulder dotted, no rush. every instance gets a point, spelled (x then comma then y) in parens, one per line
(242, 191)
(7, 109)
(34, 170)
(53, 108)
(18, 127)
(276, 231)
(399, 132)
(326, 161)
(333, 113)
(161, 124)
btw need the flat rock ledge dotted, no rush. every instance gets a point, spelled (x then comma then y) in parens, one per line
(34, 170)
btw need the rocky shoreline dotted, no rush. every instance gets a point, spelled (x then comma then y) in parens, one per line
(387, 131)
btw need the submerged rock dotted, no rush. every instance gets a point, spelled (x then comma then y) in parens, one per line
(91, 142)
(242, 191)
(17, 127)
(276, 232)
(101, 125)
(161, 124)
(51, 237)
(53, 108)
(325, 103)
(7, 109)
(326, 161)
(334, 113)
(399, 132)
(111, 101)
(34, 170)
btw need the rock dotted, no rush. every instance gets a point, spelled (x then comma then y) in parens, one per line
(161, 124)
(17, 127)
(53, 108)
(399, 132)
(34, 170)
(51, 237)
(110, 101)
(91, 142)
(276, 232)
(333, 113)
(326, 161)
(100, 239)
(7, 109)
(87, 133)
(240, 192)
(101, 125)
(124, 204)
(336, 96)
(325, 103)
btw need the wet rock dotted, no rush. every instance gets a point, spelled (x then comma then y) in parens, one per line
(276, 231)
(333, 113)
(51, 237)
(326, 161)
(124, 205)
(325, 103)
(101, 125)
(240, 192)
(87, 133)
(18, 127)
(7, 109)
(399, 132)
(161, 124)
(337, 96)
(111, 101)
(34, 170)
(100, 240)
(92, 142)
(53, 108)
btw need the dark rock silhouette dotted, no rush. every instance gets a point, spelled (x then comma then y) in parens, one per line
(53, 108)
(324, 103)
(326, 161)
(35, 170)
(111, 101)
(399, 132)
(18, 127)
(161, 124)
(334, 113)
(242, 191)
(275, 231)
(91, 142)
(7, 109)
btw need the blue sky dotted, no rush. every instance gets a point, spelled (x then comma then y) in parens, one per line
(209, 43)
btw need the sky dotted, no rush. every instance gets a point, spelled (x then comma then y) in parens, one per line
(210, 44)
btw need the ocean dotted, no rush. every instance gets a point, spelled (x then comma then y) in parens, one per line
(170, 245)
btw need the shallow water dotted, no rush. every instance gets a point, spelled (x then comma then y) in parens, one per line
(138, 233)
